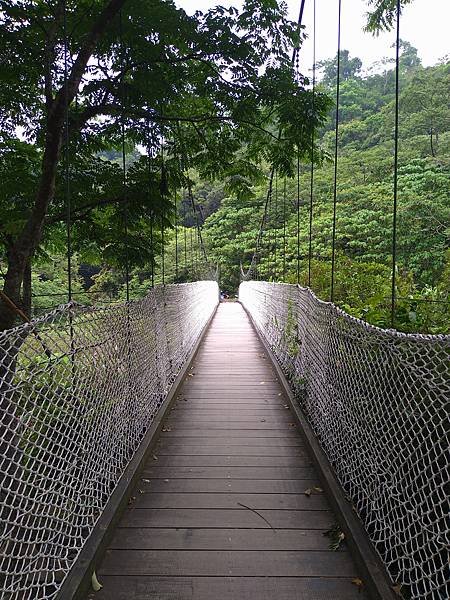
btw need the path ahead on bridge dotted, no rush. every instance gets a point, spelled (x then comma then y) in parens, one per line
(220, 512)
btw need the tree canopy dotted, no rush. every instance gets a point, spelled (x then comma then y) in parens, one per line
(121, 113)
(215, 91)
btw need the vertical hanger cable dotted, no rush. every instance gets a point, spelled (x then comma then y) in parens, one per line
(311, 188)
(124, 163)
(394, 211)
(176, 236)
(66, 160)
(298, 216)
(336, 145)
(275, 225)
(284, 230)
(149, 173)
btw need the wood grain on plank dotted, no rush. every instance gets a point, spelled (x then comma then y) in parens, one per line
(226, 588)
(217, 539)
(280, 563)
(146, 498)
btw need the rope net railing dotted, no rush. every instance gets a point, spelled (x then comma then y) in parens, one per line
(376, 400)
(79, 389)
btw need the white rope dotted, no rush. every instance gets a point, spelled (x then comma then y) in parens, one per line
(73, 413)
(377, 401)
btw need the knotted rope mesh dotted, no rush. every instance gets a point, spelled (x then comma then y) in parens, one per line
(377, 401)
(79, 389)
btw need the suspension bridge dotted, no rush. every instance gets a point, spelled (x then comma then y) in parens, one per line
(179, 447)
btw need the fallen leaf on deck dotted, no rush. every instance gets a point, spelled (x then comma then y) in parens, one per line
(96, 585)
(336, 535)
(358, 582)
(315, 489)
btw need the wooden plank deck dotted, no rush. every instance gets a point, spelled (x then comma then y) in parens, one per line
(220, 512)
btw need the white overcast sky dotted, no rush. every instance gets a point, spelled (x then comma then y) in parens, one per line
(424, 23)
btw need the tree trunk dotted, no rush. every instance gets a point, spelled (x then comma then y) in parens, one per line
(12, 286)
(27, 291)
(22, 250)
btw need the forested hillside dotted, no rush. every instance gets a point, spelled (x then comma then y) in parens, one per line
(364, 194)
(230, 209)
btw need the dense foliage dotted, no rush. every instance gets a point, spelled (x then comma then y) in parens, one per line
(208, 91)
(204, 107)
(364, 207)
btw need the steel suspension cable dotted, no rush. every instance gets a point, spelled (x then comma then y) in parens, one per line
(294, 58)
(336, 142)
(263, 219)
(163, 214)
(68, 200)
(176, 236)
(163, 254)
(275, 222)
(152, 248)
(195, 210)
(269, 269)
(284, 230)
(185, 237)
(149, 173)
(394, 212)
(311, 182)
(192, 252)
(298, 217)
(124, 161)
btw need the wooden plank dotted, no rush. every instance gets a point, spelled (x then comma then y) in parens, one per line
(234, 369)
(146, 498)
(232, 440)
(212, 401)
(282, 422)
(246, 387)
(182, 408)
(261, 433)
(226, 588)
(212, 447)
(217, 539)
(191, 472)
(235, 380)
(177, 563)
(186, 418)
(238, 486)
(259, 429)
(242, 396)
(192, 460)
(227, 518)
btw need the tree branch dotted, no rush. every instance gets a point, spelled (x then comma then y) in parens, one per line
(82, 211)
